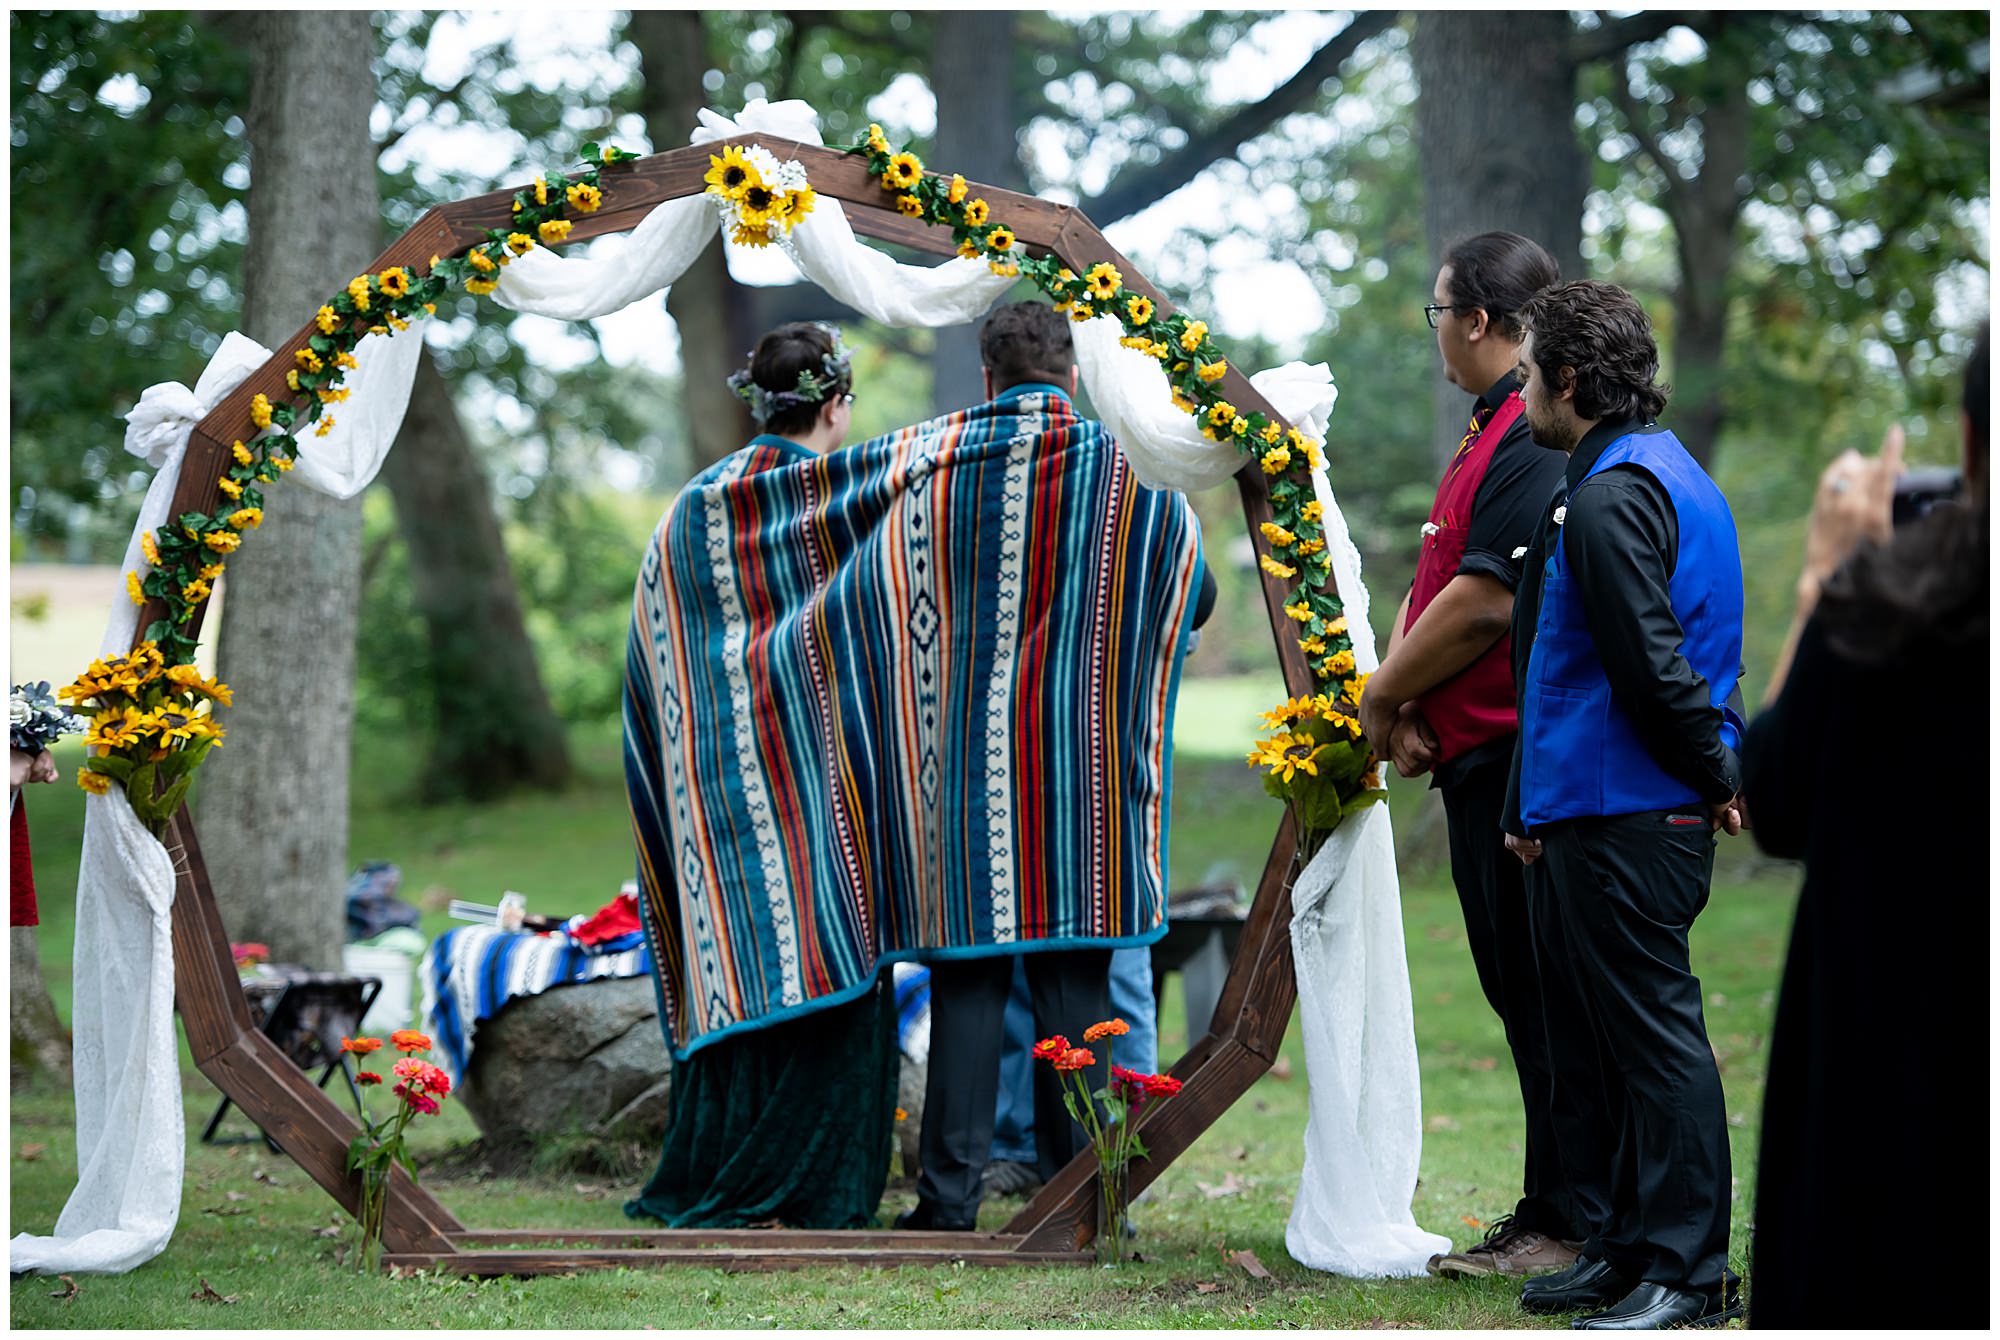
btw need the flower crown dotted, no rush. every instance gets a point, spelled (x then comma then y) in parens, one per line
(811, 389)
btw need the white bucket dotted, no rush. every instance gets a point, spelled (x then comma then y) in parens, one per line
(392, 1009)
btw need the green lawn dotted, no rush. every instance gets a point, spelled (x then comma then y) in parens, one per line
(257, 1230)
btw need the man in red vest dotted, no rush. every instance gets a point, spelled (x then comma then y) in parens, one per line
(1443, 701)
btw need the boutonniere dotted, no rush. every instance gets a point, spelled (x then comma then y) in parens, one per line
(1561, 512)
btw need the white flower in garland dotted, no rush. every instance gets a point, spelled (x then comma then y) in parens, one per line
(760, 198)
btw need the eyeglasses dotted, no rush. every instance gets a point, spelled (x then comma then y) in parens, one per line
(1431, 310)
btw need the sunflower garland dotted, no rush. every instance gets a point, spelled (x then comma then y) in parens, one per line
(1195, 367)
(184, 557)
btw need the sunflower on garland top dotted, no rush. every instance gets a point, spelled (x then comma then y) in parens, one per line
(150, 709)
(1194, 367)
(759, 197)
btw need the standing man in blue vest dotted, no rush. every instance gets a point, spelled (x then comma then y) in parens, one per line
(1628, 641)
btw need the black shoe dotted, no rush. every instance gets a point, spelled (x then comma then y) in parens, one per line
(922, 1218)
(1589, 1283)
(1653, 1307)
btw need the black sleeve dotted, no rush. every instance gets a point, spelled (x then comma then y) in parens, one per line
(1204, 602)
(1782, 757)
(1510, 504)
(1618, 537)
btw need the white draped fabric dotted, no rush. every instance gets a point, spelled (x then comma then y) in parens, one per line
(1363, 1137)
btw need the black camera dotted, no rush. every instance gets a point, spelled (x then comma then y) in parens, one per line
(1918, 491)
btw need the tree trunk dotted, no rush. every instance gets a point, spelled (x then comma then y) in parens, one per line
(707, 306)
(495, 728)
(1705, 212)
(274, 800)
(1497, 146)
(39, 1042)
(972, 64)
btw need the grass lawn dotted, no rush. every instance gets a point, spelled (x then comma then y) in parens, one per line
(260, 1233)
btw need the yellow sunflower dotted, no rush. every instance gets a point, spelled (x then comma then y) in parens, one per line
(260, 410)
(328, 320)
(195, 591)
(482, 262)
(1104, 281)
(222, 541)
(357, 289)
(909, 205)
(956, 191)
(585, 197)
(520, 243)
(1196, 332)
(732, 174)
(745, 235)
(246, 518)
(1271, 433)
(132, 588)
(150, 548)
(553, 230)
(977, 213)
(1303, 613)
(229, 486)
(1139, 308)
(1000, 239)
(1212, 372)
(904, 171)
(1277, 534)
(308, 360)
(242, 453)
(1283, 571)
(395, 282)
(1275, 460)
(94, 782)
(877, 141)
(1221, 412)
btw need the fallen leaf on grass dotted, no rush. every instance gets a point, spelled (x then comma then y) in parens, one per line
(330, 1231)
(590, 1190)
(1483, 1063)
(226, 1210)
(1248, 1260)
(1440, 1122)
(207, 1295)
(268, 1180)
(1239, 1154)
(69, 1291)
(1230, 1185)
(1470, 1222)
(1204, 1286)
(29, 1153)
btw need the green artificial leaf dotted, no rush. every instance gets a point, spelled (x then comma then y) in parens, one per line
(159, 631)
(170, 802)
(139, 790)
(111, 766)
(320, 344)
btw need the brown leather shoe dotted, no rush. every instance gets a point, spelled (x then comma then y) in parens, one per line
(1508, 1249)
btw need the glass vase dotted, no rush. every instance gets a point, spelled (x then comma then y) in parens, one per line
(374, 1198)
(1111, 1217)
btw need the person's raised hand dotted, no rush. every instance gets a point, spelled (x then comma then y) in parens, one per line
(1528, 849)
(43, 769)
(1855, 502)
(1728, 816)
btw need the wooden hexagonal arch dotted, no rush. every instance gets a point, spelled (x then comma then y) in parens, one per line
(1242, 1038)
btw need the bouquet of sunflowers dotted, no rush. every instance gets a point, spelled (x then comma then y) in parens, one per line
(1318, 762)
(151, 724)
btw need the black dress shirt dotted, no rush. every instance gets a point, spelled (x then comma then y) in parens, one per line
(1621, 539)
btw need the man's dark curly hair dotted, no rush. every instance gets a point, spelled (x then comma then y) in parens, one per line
(1596, 338)
(1026, 342)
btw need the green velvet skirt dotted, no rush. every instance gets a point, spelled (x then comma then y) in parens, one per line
(792, 1123)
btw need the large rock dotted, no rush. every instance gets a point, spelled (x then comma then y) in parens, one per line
(581, 1059)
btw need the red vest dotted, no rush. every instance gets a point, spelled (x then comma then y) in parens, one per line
(1476, 704)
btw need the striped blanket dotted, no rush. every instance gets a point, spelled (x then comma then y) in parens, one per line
(469, 972)
(907, 700)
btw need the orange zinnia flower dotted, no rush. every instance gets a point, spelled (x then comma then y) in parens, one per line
(1076, 1058)
(1050, 1049)
(409, 1040)
(1110, 1028)
(360, 1046)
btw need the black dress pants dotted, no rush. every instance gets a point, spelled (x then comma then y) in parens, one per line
(1069, 989)
(1636, 1084)
(1495, 903)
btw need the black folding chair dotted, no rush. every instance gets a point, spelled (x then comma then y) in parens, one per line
(306, 1014)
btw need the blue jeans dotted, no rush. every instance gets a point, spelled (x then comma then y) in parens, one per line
(1131, 1000)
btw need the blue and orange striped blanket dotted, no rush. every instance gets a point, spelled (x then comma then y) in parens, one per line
(911, 699)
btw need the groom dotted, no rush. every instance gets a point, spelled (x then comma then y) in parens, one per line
(1030, 374)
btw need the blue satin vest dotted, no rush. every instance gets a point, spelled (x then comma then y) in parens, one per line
(1580, 754)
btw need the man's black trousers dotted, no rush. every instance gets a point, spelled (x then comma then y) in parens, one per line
(1489, 880)
(1637, 1091)
(1069, 989)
